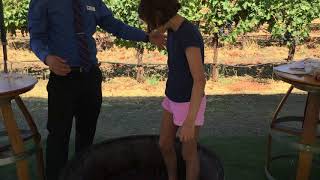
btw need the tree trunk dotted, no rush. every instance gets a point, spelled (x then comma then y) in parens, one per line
(215, 70)
(140, 70)
(292, 51)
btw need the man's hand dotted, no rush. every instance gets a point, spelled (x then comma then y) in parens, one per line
(157, 38)
(57, 65)
(187, 132)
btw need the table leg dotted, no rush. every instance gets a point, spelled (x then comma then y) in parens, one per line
(15, 139)
(308, 136)
(37, 136)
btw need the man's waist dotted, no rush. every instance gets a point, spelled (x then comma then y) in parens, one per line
(78, 72)
(81, 69)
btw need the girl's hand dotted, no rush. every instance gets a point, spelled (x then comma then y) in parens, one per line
(158, 38)
(187, 132)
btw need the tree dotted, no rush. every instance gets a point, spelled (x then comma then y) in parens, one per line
(217, 15)
(127, 12)
(290, 20)
(250, 16)
(225, 20)
(16, 15)
(190, 9)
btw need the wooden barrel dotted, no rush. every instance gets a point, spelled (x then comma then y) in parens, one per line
(135, 158)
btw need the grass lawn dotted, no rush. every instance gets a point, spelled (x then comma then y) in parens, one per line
(244, 158)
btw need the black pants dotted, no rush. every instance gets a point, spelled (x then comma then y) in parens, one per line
(77, 96)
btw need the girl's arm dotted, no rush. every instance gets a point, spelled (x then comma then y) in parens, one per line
(199, 81)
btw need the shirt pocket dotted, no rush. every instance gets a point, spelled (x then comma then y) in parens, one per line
(90, 11)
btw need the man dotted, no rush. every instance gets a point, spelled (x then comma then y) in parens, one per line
(61, 36)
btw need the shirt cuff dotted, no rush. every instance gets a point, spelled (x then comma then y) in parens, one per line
(43, 56)
(146, 39)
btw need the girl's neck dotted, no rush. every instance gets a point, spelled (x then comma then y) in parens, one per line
(175, 22)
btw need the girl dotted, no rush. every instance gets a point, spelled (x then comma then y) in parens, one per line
(185, 101)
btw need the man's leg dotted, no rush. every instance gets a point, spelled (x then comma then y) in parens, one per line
(60, 115)
(88, 110)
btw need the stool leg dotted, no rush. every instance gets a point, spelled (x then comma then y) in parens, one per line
(269, 148)
(15, 139)
(308, 136)
(37, 137)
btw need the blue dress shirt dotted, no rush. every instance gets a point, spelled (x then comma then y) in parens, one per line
(52, 31)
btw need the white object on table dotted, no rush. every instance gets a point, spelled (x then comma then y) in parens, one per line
(304, 67)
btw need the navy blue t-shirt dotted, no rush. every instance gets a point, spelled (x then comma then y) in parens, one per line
(180, 82)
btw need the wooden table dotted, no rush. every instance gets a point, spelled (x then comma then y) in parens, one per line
(11, 86)
(309, 84)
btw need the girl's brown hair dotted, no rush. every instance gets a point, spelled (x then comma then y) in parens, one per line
(157, 12)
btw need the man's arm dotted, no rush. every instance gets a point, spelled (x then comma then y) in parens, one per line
(109, 23)
(38, 26)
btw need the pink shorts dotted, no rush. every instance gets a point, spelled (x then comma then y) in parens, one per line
(180, 111)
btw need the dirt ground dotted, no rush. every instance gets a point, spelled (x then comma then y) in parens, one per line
(250, 53)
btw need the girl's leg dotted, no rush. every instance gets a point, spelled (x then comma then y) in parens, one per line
(190, 155)
(167, 140)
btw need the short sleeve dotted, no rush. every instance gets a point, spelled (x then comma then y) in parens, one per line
(190, 37)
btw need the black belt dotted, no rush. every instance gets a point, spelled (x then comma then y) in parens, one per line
(79, 69)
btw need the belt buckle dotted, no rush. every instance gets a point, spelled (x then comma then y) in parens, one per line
(80, 33)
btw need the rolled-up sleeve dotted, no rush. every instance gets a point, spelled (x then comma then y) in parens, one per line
(38, 28)
(109, 23)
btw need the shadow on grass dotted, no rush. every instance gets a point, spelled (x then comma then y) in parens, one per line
(244, 158)
(226, 115)
(236, 126)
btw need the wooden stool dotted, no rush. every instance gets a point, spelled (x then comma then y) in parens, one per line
(308, 131)
(11, 86)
